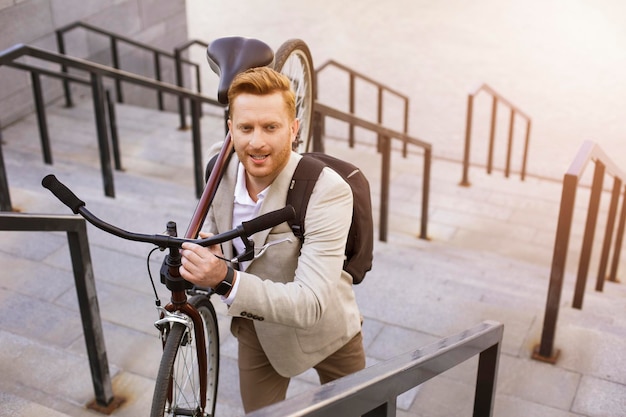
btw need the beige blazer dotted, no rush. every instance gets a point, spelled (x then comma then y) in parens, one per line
(301, 301)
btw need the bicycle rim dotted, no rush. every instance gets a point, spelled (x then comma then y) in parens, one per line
(293, 59)
(177, 388)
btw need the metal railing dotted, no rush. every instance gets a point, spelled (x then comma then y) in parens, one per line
(96, 74)
(589, 151)
(385, 136)
(373, 391)
(114, 41)
(76, 230)
(514, 111)
(353, 76)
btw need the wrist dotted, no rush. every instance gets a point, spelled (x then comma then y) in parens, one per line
(224, 287)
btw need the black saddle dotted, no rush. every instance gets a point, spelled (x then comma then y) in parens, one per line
(229, 56)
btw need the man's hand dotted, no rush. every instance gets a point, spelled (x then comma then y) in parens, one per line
(202, 266)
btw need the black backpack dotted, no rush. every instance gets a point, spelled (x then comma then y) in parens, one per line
(360, 244)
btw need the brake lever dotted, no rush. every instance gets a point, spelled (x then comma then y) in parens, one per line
(249, 254)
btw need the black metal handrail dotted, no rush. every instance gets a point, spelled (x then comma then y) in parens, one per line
(379, 104)
(76, 230)
(373, 391)
(514, 110)
(589, 151)
(97, 73)
(114, 40)
(385, 136)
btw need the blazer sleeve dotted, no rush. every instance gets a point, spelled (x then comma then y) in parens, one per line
(298, 298)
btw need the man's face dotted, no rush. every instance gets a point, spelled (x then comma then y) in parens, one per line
(262, 133)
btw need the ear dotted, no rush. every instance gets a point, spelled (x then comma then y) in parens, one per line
(294, 129)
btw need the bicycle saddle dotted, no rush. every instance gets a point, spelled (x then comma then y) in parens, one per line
(229, 56)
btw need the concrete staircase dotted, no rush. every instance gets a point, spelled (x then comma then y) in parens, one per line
(488, 258)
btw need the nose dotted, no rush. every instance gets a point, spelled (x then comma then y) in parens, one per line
(256, 139)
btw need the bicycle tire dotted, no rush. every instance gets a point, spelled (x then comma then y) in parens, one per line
(293, 59)
(179, 364)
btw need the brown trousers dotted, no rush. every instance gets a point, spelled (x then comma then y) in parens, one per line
(261, 385)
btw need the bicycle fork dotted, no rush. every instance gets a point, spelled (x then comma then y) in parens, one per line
(180, 311)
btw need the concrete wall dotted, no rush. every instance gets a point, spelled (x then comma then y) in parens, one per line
(160, 23)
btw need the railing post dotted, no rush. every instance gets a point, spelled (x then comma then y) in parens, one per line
(526, 142)
(157, 76)
(468, 136)
(5, 195)
(617, 250)
(178, 65)
(318, 127)
(198, 80)
(66, 84)
(385, 147)
(590, 229)
(425, 193)
(406, 127)
(608, 233)
(492, 133)
(544, 352)
(90, 315)
(509, 148)
(379, 112)
(197, 146)
(115, 58)
(487, 375)
(351, 111)
(387, 409)
(40, 109)
(97, 91)
(115, 143)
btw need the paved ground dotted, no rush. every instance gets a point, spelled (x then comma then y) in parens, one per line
(488, 259)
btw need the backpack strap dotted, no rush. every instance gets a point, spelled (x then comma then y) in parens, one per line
(211, 164)
(302, 183)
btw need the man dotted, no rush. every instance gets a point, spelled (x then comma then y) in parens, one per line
(294, 307)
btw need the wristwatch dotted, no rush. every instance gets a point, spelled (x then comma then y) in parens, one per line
(227, 283)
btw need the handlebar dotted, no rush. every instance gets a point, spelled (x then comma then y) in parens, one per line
(246, 229)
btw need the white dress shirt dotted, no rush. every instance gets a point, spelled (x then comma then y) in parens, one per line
(244, 209)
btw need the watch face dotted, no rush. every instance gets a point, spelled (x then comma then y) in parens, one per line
(223, 288)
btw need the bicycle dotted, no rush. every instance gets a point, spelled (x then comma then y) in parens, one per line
(187, 378)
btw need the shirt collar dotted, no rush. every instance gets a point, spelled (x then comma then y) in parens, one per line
(241, 192)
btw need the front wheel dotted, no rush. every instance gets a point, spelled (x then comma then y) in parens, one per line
(177, 391)
(293, 59)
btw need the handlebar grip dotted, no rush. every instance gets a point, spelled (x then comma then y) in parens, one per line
(63, 193)
(269, 220)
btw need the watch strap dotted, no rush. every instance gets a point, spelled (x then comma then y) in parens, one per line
(227, 283)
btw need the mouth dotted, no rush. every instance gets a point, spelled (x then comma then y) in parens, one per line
(259, 158)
